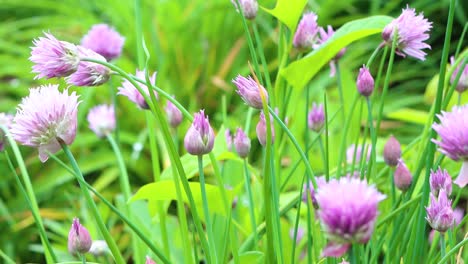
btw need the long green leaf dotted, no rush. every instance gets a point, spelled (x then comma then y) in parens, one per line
(288, 12)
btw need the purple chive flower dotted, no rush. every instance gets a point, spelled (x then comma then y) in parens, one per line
(45, 118)
(133, 94)
(104, 40)
(5, 120)
(250, 91)
(53, 58)
(101, 120)
(392, 151)
(173, 114)
(352, 148)
(299, 236)
(89, 73)
(365, 82)
(249, 8)
(306, 33)
(440, 213)
(99, 248)
(402, 177)
(412, 32)
(453, 132)
(316, 117)
(242, 143)
(458, 215)
(462, 84)
(309, 190)
(440, 179)
(324, 36)
(347, 213)
(199, 139)
(229, 140)
(261, 129)
(79, 240)
(149, 260)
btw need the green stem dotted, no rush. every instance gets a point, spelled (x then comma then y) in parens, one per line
(126, 220)
(391, 175)
(374, 141)
(92, 206)
(263, 60)
(461, 63)
(372, 57)
(442, 245)
(83, 258)
(431, 146)
(253, 222)
(460, 42)
(387, 79)
(206, 211)
(453, 251)
(340, 90)
(324, 157)
(49, 253)
(344, 135)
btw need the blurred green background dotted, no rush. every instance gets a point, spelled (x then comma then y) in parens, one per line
(197, 47)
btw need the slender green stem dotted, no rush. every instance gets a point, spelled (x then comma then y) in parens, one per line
(374, 141)
(391, 176)
(431, 146)
(460, 42)
(83, 258)
(387, 79)
(461, 63)
(324, 156)
(253, 221)
(340, 90)
(372, 57)
(398, 210)
(344, 136)
(327, 153)
(49, 253)
(453, 251)
(92, 206)
(206, 211)
(5, 257)
(126, 220)
(442, 245)
(266, 73)
(296, 222)
(36, 217)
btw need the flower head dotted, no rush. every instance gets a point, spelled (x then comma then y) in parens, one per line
(392, 151)
(249, 7)
(453, 132)
(89, 73)
(402, 176)
(352, 148)
(440, 179)
(53, 58)
(46, 118)
(250, 91)
(324, 36)
(462, 84)
(261, 129)
(242, 143)
(101, 120)
(104, 40)
(79, 240)
(199, 139)
(440, 213)
(173, 114)
(347, 213)
(306, 33)
(316, 117)
(309, 190)
(412, 32)
(127, 89)
(5, 120)
(365, 82)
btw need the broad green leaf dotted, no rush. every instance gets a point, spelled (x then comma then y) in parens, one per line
(300, 72)
(252, 257)
(165, 190)
(410, 115)
(288, 12)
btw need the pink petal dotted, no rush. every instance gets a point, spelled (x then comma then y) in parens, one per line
(335, 250)
(462, 178)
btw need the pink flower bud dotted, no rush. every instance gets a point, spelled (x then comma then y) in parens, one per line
(261, 130)
(242, 143)
(199, 139)
(392, 151)
(316, 117)
(365, 82)
(79, 240)
(402, 176)
(250, 91)
(249, 7)
(173, 114)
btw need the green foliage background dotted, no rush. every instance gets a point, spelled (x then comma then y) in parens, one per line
(196, 47)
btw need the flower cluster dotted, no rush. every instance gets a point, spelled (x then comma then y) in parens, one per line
(439, 212)
(199, 139)
(133, 94)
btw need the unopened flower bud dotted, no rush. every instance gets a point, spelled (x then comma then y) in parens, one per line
(79, 240)
(365, 82)
(440, 213)
(242, 143)
(261, 130)
(316, 117)
(249, 7)
(392, 151)
(173, 114)
(199, 139)
(250, 91)
(402, 176)
(440, 179)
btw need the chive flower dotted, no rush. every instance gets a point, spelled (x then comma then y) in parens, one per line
(307, 32)
(53, 58)
(365, 82)
(199, 138)
(462, 84)
(250, 91)
(174, 115)
(5, 120)
(347, 213)
(127, 89)
(242, 143)
(101, 120)
(440, 179)
(249, 8)
(392, 151)
(79, 240)
(104, 40)
(261, 129)
(316, 117)
(89, 73)
(402, 177)
(439, 212)
(46, 118)
(453, 132)
(359, 152)
(412, 30)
